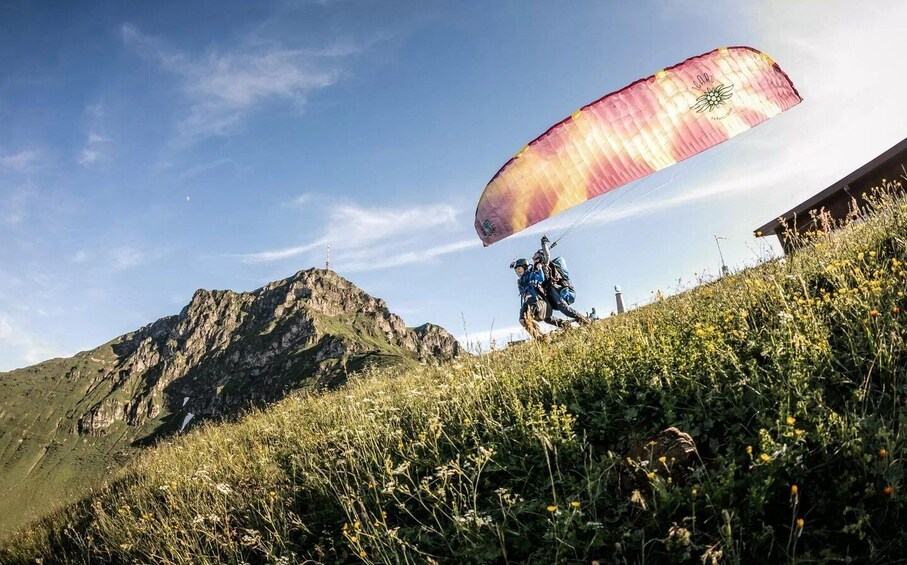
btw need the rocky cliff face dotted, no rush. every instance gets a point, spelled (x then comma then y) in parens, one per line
(228, 350)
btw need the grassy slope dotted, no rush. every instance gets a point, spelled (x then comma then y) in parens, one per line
(794, 373)
(44, 463)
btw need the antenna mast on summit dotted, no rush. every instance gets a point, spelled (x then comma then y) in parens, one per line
(327, 261)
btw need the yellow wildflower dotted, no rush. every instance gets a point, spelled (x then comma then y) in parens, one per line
(794, 490)
(575, 504)
(791, 420)
(883, 452)
(765, 457)
(800, 523)
(552, 508)
(749, 449)
(662, 459)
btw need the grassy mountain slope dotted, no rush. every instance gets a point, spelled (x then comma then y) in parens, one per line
(790, 377)
(66, 423)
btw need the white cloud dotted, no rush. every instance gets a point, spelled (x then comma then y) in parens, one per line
(20, 162)
(278, 254)
(378, 261)
(92, 152)
(122, 258)
(13, 209)
(224, 87)
(88, 157)
(81, 256)
(205, 167)
(301, 200)
(354, 231)
(18, 344)
(354, 226)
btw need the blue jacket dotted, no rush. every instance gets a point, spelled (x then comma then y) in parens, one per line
(530, 283)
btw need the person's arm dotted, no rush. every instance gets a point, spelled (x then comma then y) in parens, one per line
(546, 249)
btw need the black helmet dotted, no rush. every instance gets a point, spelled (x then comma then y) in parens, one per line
(520, 263)
(539, 256)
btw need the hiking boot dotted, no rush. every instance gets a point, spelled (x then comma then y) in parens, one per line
(583, 320)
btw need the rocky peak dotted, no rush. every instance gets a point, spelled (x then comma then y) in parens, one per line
(228, 350)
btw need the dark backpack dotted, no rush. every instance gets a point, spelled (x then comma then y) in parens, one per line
(561, 276)
(559, 271)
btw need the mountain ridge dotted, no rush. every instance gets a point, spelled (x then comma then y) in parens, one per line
(66, 422)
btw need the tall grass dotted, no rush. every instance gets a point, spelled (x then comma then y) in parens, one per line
(791, 378)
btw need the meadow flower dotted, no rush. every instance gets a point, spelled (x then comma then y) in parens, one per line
(873, 313)
(749, 449)
(552, 508)
(889, 490)
(800, 523)
(575, 504)
(662, 459)
(794, 490)
(765, 457)
(791, 420)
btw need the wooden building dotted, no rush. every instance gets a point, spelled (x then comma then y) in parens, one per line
(844, 197)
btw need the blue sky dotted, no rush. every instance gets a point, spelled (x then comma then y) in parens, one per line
(150, 149)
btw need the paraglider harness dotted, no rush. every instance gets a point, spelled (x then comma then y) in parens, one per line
(560, 279)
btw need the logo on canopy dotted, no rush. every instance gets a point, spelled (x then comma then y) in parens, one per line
(714, 95)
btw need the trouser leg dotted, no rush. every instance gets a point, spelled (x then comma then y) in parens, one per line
(558, 304)
(561, 306)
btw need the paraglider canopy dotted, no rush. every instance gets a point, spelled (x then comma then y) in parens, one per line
(628, 134)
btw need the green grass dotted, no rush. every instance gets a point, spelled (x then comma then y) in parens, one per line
(791, 373)
(45, 462)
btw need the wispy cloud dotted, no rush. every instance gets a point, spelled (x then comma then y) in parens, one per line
(278, 254)
(408, 257)
(21, 161)
(27, 348)
(375, 238)
(122, 258)
(224, 87)
(92, 152)
(300, 200)
(13, 209)
(206, 167)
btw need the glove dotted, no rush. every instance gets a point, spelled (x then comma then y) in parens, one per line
(545, 239)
